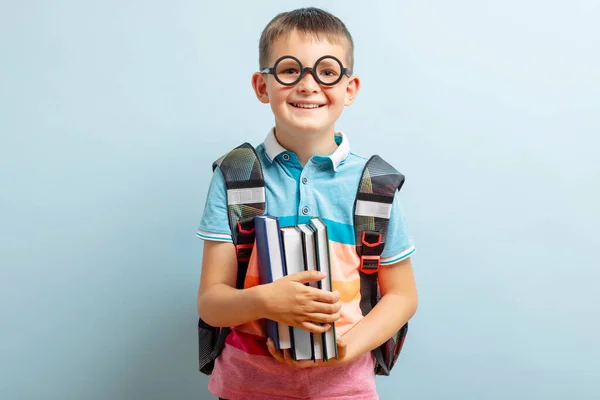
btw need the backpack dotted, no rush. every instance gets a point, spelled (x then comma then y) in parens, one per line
(246, 199)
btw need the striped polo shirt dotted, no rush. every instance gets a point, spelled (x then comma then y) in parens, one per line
(325, 187)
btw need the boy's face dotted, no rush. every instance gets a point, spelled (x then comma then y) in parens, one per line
(307, 107)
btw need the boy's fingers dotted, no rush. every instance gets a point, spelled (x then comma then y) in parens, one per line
(325, 318)
(307, 276)
(341, 343)
(296, 364)
(304, 364)
(288, 359)
(342, 352)
(324, 308)
(273, 350)
(315, 328)
(324, 296)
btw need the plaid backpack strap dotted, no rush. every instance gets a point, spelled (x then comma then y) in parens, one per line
(246, 198)
(372, 209)
(245, 185)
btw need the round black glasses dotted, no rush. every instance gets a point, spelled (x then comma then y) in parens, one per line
(288, 70)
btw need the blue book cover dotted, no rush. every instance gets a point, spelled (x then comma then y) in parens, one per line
(271, 266)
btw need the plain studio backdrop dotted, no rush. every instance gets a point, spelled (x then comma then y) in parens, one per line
(110, 116)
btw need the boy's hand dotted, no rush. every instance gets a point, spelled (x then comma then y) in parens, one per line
(290, 301)
(286, 357)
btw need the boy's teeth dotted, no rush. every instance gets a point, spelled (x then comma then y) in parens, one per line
(306, 105)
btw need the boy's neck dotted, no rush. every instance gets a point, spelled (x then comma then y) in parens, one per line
(307, 146)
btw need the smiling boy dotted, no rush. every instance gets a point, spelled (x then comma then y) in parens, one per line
(305, 75)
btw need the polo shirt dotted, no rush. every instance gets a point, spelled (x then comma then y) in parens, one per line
(325, 187)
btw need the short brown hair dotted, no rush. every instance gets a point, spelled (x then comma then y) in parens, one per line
(311, 21)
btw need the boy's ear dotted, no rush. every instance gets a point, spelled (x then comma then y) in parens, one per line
(259, 84)
(352, 90)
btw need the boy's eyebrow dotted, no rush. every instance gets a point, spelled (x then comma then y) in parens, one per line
(291, 54)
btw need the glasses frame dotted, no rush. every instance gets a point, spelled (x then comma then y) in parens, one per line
(304, 70)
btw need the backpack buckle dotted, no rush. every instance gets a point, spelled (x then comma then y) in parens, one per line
(370, 264)
(371, 241)
(246, 231)
(243, 251)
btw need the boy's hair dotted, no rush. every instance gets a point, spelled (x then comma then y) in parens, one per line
(310, 21)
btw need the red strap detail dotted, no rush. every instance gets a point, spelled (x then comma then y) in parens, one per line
(377, 243)
(242, 246)
(246, 232)
(369, 270)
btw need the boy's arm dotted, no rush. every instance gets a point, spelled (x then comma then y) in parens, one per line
(219, 302)
(397, 305)
(287, 300)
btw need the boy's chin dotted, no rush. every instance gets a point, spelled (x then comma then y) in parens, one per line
(309, 128)
(308, 132)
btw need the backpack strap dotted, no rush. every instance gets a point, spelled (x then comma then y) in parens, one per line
(372, 209)
(245, 186)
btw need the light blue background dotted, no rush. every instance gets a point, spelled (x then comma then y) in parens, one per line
(111, 113)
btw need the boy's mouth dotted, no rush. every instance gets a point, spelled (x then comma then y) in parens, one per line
(306, 106)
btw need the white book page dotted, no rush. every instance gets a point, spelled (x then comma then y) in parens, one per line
(294, 260)
(323, 244)
(311, 265)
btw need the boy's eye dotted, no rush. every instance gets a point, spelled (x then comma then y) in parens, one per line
(328, 72)
(290, 71)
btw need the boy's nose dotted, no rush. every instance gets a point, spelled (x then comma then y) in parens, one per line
(308, 83)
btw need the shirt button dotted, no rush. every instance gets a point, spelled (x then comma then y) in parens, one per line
(304, 180)
(286, 156)
(305, 210)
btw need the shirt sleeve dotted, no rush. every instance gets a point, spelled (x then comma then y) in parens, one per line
(214, 223)
(399, 244)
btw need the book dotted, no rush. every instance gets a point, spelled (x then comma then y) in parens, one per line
(271, 266)
(293, 250)
(310, 263)
(324, 264)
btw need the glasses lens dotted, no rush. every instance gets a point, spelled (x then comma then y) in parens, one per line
(329, 70)
(288, 70)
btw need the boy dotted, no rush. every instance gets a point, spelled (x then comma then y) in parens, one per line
(309, 171)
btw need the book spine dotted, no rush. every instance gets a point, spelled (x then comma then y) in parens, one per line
(264, 271)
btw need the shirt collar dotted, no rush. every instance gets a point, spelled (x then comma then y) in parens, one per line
(273, 148)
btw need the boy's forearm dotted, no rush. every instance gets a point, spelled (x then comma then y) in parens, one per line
(384, 320)
(222, 305)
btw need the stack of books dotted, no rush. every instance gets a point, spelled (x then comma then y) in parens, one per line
(286, 251)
